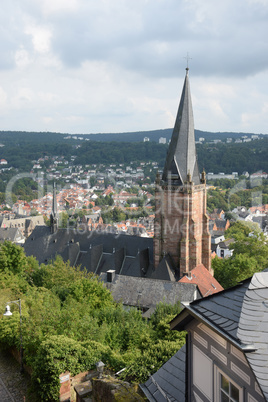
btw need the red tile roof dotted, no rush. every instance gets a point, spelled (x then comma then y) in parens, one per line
(207, 284)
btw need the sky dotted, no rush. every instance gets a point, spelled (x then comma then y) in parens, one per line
(110, 66)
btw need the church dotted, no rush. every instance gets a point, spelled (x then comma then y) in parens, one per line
(181, 223)
(181, 243)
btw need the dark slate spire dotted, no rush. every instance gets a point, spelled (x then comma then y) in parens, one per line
(54, 213)
(54, 202)
(181, 158)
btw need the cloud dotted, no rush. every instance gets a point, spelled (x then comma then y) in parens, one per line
(41, 36)
(91, 66)
(22, 57)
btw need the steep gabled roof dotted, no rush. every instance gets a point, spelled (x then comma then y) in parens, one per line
(240, 315)
(207, 284)
(95, 251)
(220, 311)
(181, 157)
(165, 270)
(12, 234)
(253, 327)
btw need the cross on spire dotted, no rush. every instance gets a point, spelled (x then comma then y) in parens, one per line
(188, 58)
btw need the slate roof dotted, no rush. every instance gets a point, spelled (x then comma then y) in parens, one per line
(226, 243)
(220, 311)
(168, 383)
(95, 251)
(165, 270)
(181, 158)
(12, 234)
(240, 315)
(147, 293)
(253, 327)
(220, 223)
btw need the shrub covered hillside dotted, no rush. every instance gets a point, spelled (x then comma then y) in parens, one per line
(70, 321)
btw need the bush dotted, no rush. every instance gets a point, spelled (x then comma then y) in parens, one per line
(58, 354)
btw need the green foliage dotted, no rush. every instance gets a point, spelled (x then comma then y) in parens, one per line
(94, 152)
(233, 193)
(161, 318)
(70, 321)
(216, 199)
(231, 271)
(56, 355)
(63, 219)
(104, 201)
(250, 255)
(146, 362)
(113, 215)
(25, 189)
(13, 259)
(232, 157)
(10, 330)
(241, 230)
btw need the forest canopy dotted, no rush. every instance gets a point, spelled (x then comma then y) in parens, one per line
(20, 149)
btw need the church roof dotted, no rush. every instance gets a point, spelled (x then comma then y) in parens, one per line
(181, 157)
(95, 251)
(165, 270)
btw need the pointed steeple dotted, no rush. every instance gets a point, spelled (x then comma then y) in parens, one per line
(181, 158)
(54, 212)
(54, 202)
(181, 223)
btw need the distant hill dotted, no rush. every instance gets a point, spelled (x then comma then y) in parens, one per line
(22, 148)
(154, 135)
(18, 137)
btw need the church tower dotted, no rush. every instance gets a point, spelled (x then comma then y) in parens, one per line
(54, 212)
(181, 223)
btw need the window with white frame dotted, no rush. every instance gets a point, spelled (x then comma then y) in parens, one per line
(226, 389)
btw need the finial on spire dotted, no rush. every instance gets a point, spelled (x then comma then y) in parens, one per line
(189, 177)
(203, 176)
(187, 58)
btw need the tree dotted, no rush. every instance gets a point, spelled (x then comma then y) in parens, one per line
(70, 321)
(229, 272)
(63, 220)
(13, 260)
(250, 255)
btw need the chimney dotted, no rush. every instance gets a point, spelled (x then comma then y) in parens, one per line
(188, 274)
(110, 275)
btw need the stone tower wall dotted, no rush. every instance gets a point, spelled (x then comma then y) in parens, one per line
(181, 226)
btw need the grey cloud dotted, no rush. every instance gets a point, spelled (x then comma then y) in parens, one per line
(151, 37)
(220, 43)
(12, 36)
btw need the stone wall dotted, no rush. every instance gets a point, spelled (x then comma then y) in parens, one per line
(181, 226)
